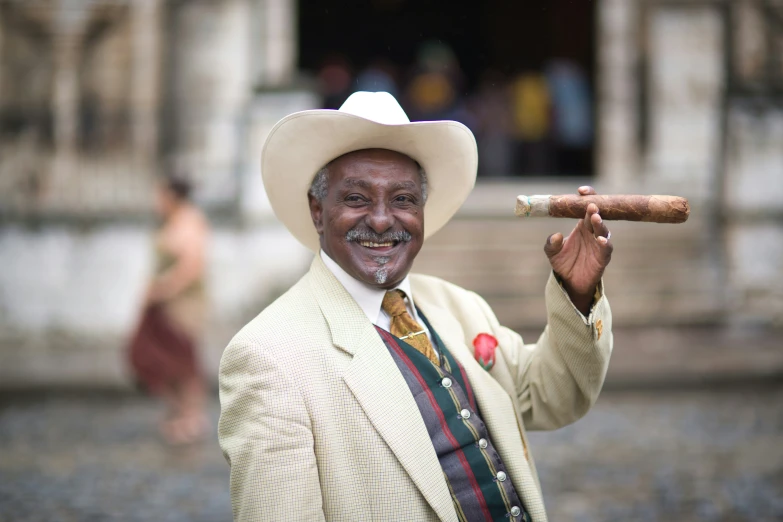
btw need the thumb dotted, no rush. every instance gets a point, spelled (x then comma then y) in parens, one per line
(554, 244)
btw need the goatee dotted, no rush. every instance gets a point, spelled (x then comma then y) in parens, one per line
(380, 276)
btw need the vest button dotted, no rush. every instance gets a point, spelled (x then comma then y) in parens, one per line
(465, 414)
(515, 511)
(501, 476)
(446, 382)
(482, 443)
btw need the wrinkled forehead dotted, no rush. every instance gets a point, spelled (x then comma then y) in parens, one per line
(371, 157)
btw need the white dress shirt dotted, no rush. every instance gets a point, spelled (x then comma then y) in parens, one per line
(370, 299)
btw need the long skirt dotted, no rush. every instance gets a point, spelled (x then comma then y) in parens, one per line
(162, 354)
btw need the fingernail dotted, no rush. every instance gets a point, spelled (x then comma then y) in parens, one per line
(583, 187)
(602, 240)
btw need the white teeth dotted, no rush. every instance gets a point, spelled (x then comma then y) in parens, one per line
(369, 244)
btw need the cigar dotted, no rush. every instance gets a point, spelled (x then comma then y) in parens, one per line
(651, 209)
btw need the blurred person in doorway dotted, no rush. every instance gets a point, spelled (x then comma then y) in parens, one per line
(532, 114)
(434, 90)
(334, 80)
(163, 351)
(379, 76)
(573, 119)
(494, 125)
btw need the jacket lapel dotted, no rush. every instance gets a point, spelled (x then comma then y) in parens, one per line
(381, 390)
(496, 407)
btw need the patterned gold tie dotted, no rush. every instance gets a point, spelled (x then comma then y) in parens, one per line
(404, 326)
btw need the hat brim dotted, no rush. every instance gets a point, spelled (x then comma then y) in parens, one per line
(303, 142)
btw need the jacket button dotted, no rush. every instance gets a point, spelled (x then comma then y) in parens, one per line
(515, 511)
(482, 443)
(446, 382)
(501, 476)
(465, 414)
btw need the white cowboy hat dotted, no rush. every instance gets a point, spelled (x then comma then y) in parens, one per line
(300, 144)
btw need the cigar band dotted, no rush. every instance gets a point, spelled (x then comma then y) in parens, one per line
(525, 205)
(532, 206)
(538, 206)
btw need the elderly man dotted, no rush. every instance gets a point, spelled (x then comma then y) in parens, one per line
(357, 395)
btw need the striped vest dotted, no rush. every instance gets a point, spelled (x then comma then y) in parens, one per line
(479, 486)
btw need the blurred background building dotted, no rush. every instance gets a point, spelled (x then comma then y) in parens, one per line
(97, 97)
(683, 97)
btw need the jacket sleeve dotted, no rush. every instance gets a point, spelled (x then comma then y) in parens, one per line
(266, 437)
(558, 378)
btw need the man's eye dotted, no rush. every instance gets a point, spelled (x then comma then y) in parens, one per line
(354, 198)
(403, 199)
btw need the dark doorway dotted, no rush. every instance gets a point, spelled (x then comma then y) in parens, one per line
(519, 74)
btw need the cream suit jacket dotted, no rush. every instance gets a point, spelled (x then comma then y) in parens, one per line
(317, 423)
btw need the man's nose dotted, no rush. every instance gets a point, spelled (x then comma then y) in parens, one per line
(380, 218)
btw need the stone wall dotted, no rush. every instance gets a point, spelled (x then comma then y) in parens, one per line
(69, 293)
(69, 297)
(754, 216)
(70, 280)
(668, 123)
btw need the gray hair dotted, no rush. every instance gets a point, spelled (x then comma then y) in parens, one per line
(319, 186)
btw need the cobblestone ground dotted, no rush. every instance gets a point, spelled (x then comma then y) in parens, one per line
(91, 459)
(676, 456)
(638, 456)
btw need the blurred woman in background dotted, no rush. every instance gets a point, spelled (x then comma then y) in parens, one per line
(163, 352)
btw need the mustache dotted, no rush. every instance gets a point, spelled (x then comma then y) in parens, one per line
(365, 234)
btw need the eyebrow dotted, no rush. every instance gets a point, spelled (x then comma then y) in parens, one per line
(356, 182)
(408, 185)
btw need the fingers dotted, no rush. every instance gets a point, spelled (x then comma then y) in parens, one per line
(554, 244)
(606, 247)
(587, 190)
(599, 226)
(603, 237)
(600, 231)
(592, 210)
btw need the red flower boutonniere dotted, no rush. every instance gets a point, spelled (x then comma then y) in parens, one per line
(484, 350)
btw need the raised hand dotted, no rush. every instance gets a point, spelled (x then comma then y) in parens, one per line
(579, 260)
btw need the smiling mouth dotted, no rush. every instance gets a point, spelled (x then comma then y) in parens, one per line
(375, 242)
(371, 244)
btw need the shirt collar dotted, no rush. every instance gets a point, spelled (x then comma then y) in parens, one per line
(368, 298)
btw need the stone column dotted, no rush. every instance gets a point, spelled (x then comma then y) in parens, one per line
(618, 48)
(146, 22)
(65, 96)
(280, 42)
(2, 36)
(69, 22)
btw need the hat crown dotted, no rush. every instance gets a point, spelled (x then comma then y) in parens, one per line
(380, 107)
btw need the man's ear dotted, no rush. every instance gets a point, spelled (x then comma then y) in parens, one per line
(316, 212)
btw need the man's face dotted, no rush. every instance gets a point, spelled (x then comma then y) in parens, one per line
(371, 221)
